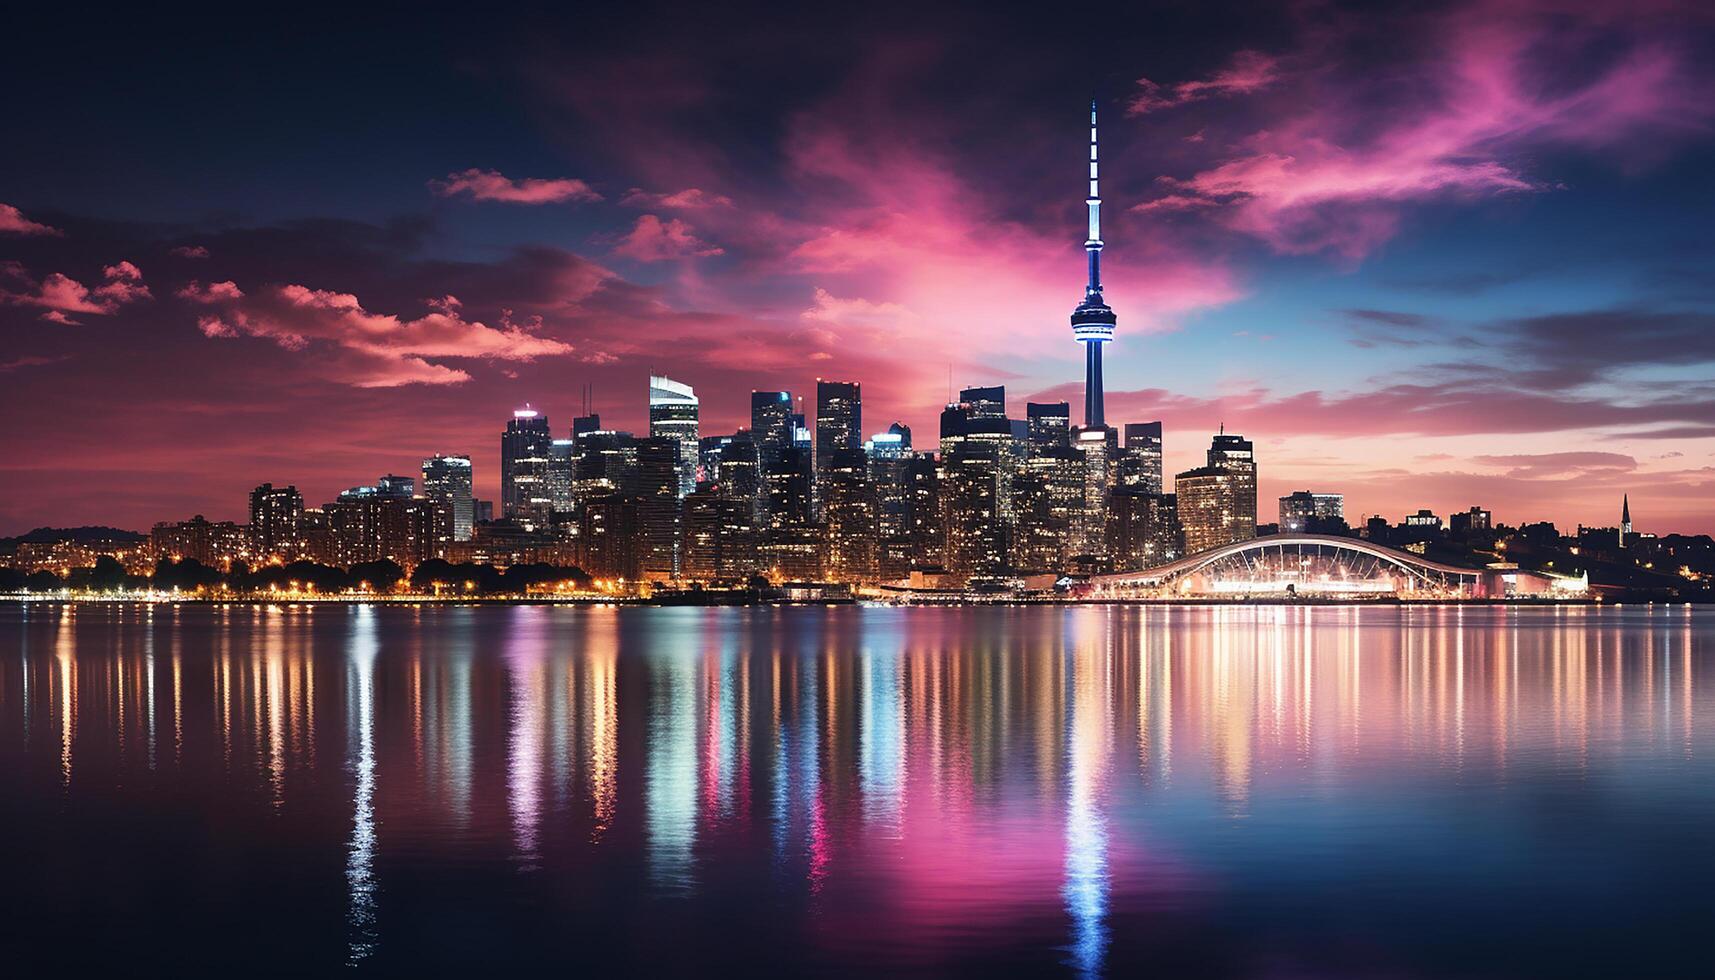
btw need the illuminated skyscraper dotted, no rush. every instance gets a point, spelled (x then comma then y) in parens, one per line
(562, 455)
(1140, 460)
(771, 420)
(673, 412)
(275, 513)
(839, 418)
(1217, 502)
(1090, 525)
(525, 448)
(1236, 455)
(1050, 424)
(1093, 322)
(658, 505)
(447, 482)
(984, 403)
(1143, 528)
(848, 515)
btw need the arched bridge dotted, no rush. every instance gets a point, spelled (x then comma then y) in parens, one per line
(1309, 564)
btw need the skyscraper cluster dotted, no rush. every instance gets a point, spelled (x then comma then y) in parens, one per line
(995, 496)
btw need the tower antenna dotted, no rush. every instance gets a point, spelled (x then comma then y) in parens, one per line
(1093, 322)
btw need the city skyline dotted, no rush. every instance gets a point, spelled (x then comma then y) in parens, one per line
(1419, 300)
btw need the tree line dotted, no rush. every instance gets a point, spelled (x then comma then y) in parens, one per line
(190, 575)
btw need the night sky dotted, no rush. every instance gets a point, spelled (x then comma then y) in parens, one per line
(1432, 255)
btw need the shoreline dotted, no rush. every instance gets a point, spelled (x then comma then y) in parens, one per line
(615, 601)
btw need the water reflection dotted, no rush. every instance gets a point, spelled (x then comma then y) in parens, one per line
(670, 773)
(360, 723)
(920, 784)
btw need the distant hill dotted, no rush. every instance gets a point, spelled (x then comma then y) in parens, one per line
(46, 535)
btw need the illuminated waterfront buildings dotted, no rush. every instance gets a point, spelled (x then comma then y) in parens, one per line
(448, 481)
(216, 544)
(1140, 457)
(673, 414)
(1217, 502)
(1304, 511)
(658, 474)
(525, 451)
(839, 422)
(1048, 424)
(276, 514)
(849, 516)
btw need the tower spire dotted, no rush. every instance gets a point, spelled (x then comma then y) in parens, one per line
(1093, 322)
(1093, 243)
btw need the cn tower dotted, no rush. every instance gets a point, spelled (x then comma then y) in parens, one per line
(1093, 322)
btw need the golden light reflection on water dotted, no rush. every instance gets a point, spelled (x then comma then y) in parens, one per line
(974, 763)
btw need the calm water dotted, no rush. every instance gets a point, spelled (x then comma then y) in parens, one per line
(1207, 791)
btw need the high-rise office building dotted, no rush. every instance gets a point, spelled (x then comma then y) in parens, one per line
(524, 453)
(895, 443)
(1140, 459)
(1093, 322)
(1098, 447)
(1049, 424)
(658, 505)
(447, 480)
(890, 459)
(984, 403)
(585, 423)
(975, 486)
(608, 545)
(393, 485)
(673, 414)
(605, 463)
(839, 418)
(562, 464)
(1048, 504)
(275, 516)
(848, 514)
(1236, 455)
(786, 488)
(738, 473)
(1303, 511)
(1143, 528)
(718, 541)
(771, 419)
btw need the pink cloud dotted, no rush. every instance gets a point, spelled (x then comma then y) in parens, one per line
(214, 292)
(1334, 175)
(366, 349)
(62, 294)
(491, 185)
(13, 222)
(55, 316)
(124, 284)
(190, 252)
(1250, 71)
(654, 240)
(689, 199)
(906, 232)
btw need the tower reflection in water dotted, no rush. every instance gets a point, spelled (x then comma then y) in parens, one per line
(922, 777)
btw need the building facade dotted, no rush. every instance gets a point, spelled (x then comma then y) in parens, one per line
(525, 450)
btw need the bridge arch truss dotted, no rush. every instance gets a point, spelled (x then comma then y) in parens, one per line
(1303, 564)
